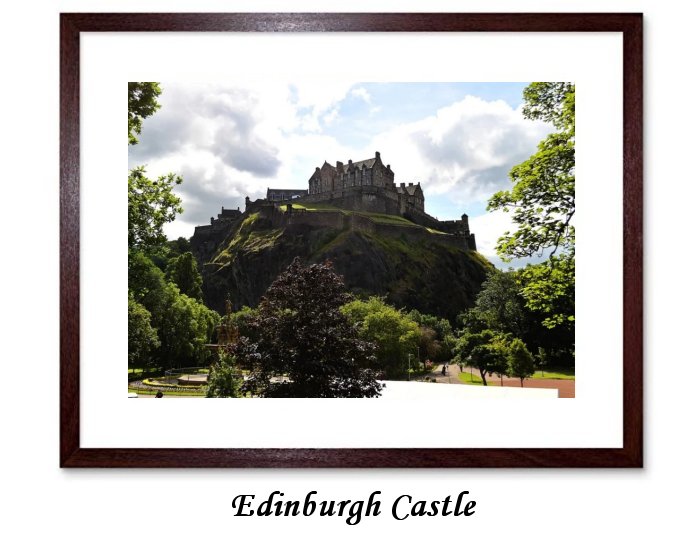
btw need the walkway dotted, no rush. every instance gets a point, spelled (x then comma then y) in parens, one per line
(567, 388)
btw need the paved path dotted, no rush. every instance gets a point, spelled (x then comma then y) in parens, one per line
(567, 388)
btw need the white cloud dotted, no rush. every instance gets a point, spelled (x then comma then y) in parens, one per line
(362, 94)
(465, 149)
(229, 141)
(488, 228)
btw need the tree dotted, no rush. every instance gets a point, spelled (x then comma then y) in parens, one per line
(182, 271)
(143, 339)
(444, 340)
(521, 363)
(486, 350)
(143, 102)
(152, 204)
(183, 324)
(241, 320)
(392, 331)
(542, 200)
(549, 290)
(225, 379)
(300, 343)
(499, 306)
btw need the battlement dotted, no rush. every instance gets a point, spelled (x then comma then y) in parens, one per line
(363, 186)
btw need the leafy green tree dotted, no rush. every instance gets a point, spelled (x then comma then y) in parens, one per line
(542, 200)
(499, 306)
(170, 250)
(394, 333)
(301, 345)
(542, 203)
(143, 102)
(428, 345)
(444, 338)
(183, 324)
(521, 363)
(184, 328)
(225, 379)
(152, 204)
(549, 290)
(143, 339)
(552, 102)
(146, 282)
(485, 350)
(183, 272)
(242, 319)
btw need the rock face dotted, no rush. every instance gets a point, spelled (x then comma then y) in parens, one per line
(412, 268)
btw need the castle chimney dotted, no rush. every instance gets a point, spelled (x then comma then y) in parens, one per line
(388, 167)
(403, 185)
(338, 165)
(376, 154)
(318, 169)
(410, 184)
(349, 162)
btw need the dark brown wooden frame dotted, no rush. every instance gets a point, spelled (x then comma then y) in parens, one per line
(72, 24)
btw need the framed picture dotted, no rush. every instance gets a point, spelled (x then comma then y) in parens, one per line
(292, 265)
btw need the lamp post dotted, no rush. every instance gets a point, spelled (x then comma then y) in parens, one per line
(409, 367)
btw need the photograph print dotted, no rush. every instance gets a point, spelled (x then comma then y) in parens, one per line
(327, 239)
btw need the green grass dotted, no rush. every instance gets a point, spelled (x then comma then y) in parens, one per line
(377, 217)
(474, 379)
(466, 377)
(314, 206)
(559, 374)
(387, 219)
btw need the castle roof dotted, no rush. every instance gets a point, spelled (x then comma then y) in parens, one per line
(369, 163)
(408, 189)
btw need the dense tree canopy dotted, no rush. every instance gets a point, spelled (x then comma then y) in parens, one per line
(143, 338)
(225, 378)
(395, 334)
(183, 324)
(152, 204)
(143, 102)
(548, 290)
(485, 350)
(300, 343)
(542, 200)
(169, 306)
(542, 206)
(499, 306)
(521, 363)
(182, 271)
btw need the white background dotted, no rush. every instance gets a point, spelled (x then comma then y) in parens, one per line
(592, 419)
(41, 502)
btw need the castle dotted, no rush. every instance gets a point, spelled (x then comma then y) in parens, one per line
(366, 187)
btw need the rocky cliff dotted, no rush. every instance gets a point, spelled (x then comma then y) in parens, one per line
(413, 267)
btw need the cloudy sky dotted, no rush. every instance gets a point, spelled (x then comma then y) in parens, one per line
(228, 141)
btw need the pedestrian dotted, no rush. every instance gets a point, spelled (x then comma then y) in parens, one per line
(444, 370)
